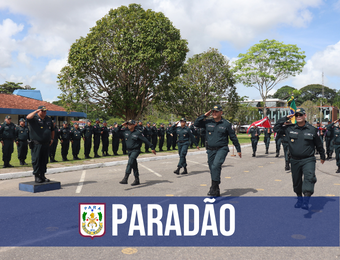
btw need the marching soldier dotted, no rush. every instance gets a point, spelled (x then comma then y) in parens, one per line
(115, 138)
(161, 132)
(7, 137)
(105, 139)
(96, 138)
(148, 136)
(336, 141)
(202, 135)
(267, 136)
(21, 137)
(134, 139)
(53, 147)
(254, 134)
(64, 136)
(183, 135)
(278, 141)
(329, 140)
(154, 135)
(217, 132)
(76, 135)
(302, 140)
(168, 137)
(87, 137)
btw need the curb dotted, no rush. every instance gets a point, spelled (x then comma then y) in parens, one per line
(15, 175)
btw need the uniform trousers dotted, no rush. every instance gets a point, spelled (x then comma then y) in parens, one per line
(303, 168)
(215, 160)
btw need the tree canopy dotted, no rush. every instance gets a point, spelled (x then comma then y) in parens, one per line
(267, 63)
(9, 87)
(313, 93)
(125, 62)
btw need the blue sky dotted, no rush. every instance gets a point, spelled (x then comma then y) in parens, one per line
(36, 34)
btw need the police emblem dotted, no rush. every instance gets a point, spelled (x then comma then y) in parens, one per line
(292, 140)
(92, 222)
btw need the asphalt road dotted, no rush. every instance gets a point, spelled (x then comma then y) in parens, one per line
(246, 176)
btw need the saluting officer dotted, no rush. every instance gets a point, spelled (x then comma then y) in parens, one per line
(254, 134)
(52, 149)
(329, 140)
(21, 137)
(218, 130)
(302, 140)
(148, 135)
(76, 135)
(64, 136)
(7, 137)
(336, 141)
(41, 135)
(154, 135)
(87, 137)
(161, 132)
(134, 139)
(267, 135)
(183, 136)
(96, 138)
(115, 138)
(168, 137)
(105, 139)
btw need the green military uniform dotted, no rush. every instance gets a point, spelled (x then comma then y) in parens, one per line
(40, 135)
(169, 135)
(267, 137)
(148, 135)
(154, 135)
(302, 142)
(336, 142)
(254, 137)
(133, 144)
(87, 134)
(75, 137)
(64, 134)
(217, 139)
(183, 136)
(7, 136)
(329, 136)
(115, 139)
(53, 147)
(105, 140)
(161, 132)
(21, 137)
(96, 139)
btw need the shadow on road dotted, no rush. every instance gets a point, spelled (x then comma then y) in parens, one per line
(318, 204)
(77, 183)
(238, 192)
(148, 183)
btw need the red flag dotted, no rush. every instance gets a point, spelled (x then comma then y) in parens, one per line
(263, 123)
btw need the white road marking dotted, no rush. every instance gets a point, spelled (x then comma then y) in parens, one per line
(157, 174)
(198, 163)
(81, 182)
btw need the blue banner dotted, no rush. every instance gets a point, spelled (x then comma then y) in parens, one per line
(168, 221)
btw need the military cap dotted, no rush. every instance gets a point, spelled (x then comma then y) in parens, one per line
(300, 111)
(153, 123)
(97, 119)
(217, 108)
(183, 119)
(131, 122)
(65, 122)
(75, 123)
(140, 121)
(170, 123)
(104, 121)
(43, 108)
(8, 117)
(88, 120)
(22, 120)
(148, 123)
(162, 124)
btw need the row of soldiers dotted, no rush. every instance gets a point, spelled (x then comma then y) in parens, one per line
(66, 135)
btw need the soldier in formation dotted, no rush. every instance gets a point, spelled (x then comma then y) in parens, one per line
(254, 134)
(21, 138)
(76, 135)
(105, 139)
(64, 134)
(7, 138)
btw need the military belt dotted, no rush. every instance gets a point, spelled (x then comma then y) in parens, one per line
(182, 141)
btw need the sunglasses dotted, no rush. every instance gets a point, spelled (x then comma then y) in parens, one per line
(297, 115)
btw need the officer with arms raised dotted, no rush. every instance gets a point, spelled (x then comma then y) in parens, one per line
(41, 134)
(302, 139)
(217, 132)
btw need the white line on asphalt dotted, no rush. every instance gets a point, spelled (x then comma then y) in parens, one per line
(157, 174)
(81, 182)
(198, 163)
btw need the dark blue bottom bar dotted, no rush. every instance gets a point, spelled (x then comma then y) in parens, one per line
(177, 221)
(34, 187)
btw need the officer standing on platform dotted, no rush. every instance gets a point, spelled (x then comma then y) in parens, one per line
(285, 144)
(21, 137)
(267, 136)
(302, 140)
(183, 136)
(329, 140)
(218, 130)
(168, 137)
(52, 149)
(161, 132)
(41, 135)
(87, 137)
(154, 135)
(148, 135)
(115, 138)
(96, 138)
(254, 134)
(134, 139)
(7, 138)
(76, 135)
(105, 139)
(65, 136)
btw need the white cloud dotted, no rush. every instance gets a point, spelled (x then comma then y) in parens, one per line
(54, 66)
(23, 58)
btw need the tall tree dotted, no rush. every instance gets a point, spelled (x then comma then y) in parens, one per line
(9, 87)
(266, 64)
(313, 92)
(126, 61)
(312, 111)
(205, 80)
(284, 92)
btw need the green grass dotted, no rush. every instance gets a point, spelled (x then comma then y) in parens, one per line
(243, 138)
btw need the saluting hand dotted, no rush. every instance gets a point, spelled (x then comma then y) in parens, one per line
(290, 116)
(208, 113)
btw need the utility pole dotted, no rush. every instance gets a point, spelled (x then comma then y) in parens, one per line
(321, 99)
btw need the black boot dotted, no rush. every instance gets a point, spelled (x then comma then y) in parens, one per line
(215, 191)
(287, 168)
(185, 171)
(38, 179)
(43, 178)
(115, 153)
(21, 162)
(277, 154)
(177, 171)
(136, 182)
(338, 171)
(298, 204)
(267, 151)
(211, 189)
(305, 204)
(125, 179)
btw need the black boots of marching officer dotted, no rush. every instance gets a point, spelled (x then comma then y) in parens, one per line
(125, 179)
(40, 178)
(298, 204)
(22, 162)
(303, 202)
(254, 154)
(177, 171)
(266, 150)
(338, 171)
(185, 171)
(277, 154)
(287, 168)
(136, 182)
(214, 189)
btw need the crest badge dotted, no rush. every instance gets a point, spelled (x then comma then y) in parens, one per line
(92, 222)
